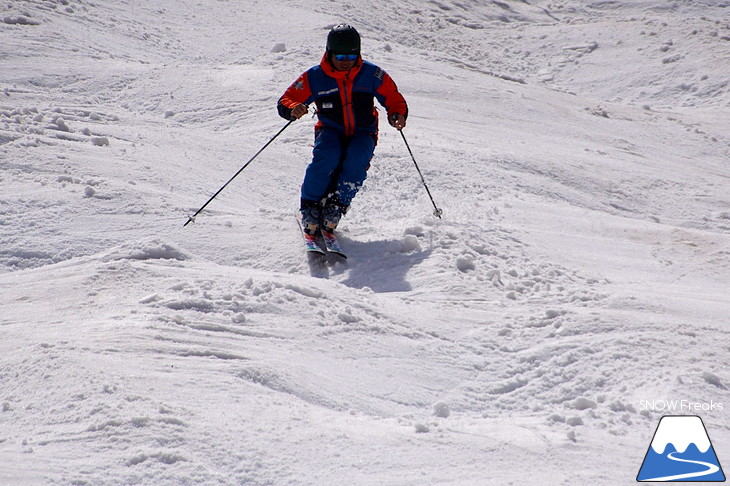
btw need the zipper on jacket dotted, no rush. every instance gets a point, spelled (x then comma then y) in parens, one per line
(348, 108)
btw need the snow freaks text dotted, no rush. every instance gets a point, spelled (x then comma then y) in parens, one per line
(679, 406)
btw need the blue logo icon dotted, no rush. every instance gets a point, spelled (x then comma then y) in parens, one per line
(681, 451)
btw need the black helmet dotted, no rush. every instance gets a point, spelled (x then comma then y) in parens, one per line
(343, 39)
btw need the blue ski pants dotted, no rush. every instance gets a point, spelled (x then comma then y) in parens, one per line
(339, 163)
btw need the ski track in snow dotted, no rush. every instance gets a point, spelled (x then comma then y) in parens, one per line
(579, 151)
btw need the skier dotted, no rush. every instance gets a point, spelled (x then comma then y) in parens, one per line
(343, 87)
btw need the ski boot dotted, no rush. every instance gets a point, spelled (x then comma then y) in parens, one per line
(311, 213)
(331, 215)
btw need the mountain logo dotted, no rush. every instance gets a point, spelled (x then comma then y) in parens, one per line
(681, 451)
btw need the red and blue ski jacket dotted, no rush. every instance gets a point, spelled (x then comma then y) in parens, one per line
(345, 99)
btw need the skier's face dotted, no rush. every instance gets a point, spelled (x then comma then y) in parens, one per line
(344, 64)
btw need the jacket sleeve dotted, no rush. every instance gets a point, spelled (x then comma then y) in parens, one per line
(299, 92)
(391, 98)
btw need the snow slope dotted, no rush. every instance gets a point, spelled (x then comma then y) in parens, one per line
(579, 151)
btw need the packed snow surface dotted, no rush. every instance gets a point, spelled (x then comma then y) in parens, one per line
(575, 290)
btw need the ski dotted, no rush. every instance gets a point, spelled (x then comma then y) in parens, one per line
(333, 247)
(316, 253)
(312, 244)
(322, 249)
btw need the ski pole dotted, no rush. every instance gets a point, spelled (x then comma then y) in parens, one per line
(436, 210)
(191, 219)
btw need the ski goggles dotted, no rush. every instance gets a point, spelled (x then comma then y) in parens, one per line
(346, 57)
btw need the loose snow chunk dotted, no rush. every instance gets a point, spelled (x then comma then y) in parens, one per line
(347, 316)
(441, 409)
(465, 263)
(409, 244)
(584, 404)
(149, 299)
(421, 428)
(154, 249)
(163, 457)
(306, 291)
(20, 20)
(61, 124)
(574, 421)
(712, 379)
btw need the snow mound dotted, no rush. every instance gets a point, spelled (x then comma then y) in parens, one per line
(151, 249)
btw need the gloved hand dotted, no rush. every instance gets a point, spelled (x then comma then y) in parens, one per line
(299, 111)
(398, 121)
